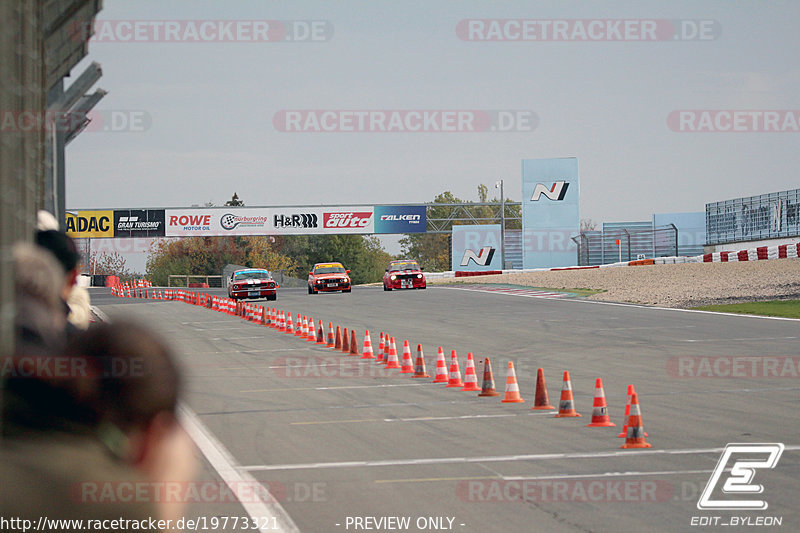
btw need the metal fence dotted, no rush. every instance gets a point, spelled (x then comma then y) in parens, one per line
(767, 216)
(636, 241)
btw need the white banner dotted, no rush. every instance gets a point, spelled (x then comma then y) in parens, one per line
(270, 221)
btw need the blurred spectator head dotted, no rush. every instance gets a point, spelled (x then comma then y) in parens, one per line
(63, 248)
(45, 221)
(39, 309)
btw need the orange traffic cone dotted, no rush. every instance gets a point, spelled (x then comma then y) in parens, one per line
(345, 341)
(331, 341)
(470, 377)
(311, 333)
(600, 417)
(635, 437)
(566, 407)
(386, 348)
(381, 347)
(337, 343)
(353, 343)
(488, 388)
(300, 330)
(289, 324)
(512, 387)
(408, 364)
(321, 333)
(441, 368)
(391, 361)
(419, 364)
(542, 400)
(624, 432)
(455, 372)
(367, 351)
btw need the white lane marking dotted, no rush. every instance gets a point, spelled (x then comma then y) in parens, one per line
(525, 293)
(344, 387)
(639, 306)
(100, 314)
(606, 474)
(738, 340)
(232, 474)
(489, 459)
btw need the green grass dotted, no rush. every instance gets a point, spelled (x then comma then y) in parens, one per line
(781, 308)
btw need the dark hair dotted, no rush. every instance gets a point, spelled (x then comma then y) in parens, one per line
(137, 377)
(61, 246)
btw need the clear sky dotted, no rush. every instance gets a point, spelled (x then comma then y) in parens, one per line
(210, 106)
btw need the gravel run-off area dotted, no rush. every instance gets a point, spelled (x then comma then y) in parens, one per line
(682, 285)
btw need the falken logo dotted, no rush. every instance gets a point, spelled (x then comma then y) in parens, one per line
(482, 258)
(411, 219)
(303, 220)
(556, 192)
(741, 476)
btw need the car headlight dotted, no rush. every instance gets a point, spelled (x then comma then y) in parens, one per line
(419, 276)
(393, 277)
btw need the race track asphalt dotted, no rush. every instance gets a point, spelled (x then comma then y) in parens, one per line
(344, 443)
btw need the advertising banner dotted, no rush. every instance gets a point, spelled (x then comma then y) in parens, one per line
(89, 224)
(550, 212)
(400, 219)
(139, 223)
(476, 248)
(269, 221)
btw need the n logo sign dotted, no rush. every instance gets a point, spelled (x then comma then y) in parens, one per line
(556, 191)
(482, 258)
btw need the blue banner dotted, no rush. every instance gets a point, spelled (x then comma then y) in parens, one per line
(400, 219)
(550, 212)
(477, 248)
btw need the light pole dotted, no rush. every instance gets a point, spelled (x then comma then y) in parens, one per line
(499, 185)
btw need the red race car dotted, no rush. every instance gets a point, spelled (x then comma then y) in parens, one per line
(252, 283)
(403, 274)
(328, 277)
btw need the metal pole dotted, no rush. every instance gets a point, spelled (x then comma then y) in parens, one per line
(502, 227)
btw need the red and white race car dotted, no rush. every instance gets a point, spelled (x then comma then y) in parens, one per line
(327, 277)
(403, 274)
(252, 283)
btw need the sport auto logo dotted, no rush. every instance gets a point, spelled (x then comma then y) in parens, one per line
(229, 221)
(346, 219)
(303, 220)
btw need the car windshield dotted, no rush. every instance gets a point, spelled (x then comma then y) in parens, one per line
(329, 269)
(254, 274)
(407, 265)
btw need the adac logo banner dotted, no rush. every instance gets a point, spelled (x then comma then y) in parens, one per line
(400, 219)
(90, 224)
(139, 223)
(550, 212)
(476, 248)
